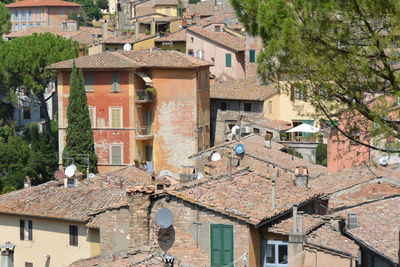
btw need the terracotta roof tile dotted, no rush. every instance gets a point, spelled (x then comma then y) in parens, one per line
(166, 2)
(121, 39)
(32, 3)
(310, 222)
(243, 89)
(222, 38)
(245, 196)
(133, 59)
(203, 9)
(53, 200)
(326, 237)
(179, 36)
(378, 225)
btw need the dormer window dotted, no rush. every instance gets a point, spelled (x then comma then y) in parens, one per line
(71, 182)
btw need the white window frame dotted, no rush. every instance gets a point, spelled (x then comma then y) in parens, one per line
(110, 116)
(122, 152)
(93, 123)
(26, 230)
(276, 243)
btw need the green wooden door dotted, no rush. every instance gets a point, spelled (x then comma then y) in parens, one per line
(221, 245)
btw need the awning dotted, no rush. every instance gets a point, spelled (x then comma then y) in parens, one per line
(304, 128)
(145, 78)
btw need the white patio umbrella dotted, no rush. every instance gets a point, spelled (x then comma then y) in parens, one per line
(304, 128)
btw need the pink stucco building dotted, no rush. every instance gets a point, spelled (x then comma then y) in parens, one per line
(225, 51)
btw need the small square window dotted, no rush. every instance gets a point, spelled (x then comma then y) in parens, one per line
(256, 130)
(217, 28)
(252, 55)
(247, 107)
(223, 106)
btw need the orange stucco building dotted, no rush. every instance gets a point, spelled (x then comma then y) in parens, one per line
(33, 13)
(148, 108)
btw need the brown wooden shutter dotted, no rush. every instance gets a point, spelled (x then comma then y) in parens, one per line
(21, 229)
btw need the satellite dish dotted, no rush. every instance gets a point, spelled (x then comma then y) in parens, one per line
(239, 149)
(235, 129)
(59, 174)
(215, 156)
(70, 170)
(200, 176)
(384, 161)
(91, 175)
(127, 47)
(164, 218)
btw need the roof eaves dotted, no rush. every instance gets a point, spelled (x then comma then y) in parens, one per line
(83, 220)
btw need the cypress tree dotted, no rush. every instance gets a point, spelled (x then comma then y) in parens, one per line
(79, 130)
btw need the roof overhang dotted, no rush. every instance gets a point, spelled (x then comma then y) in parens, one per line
(145, 78)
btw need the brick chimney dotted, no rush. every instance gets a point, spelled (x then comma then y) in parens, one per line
(301, 176)
(296, 240)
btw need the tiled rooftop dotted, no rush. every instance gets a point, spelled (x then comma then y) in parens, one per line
(123, 39)
(267, 123)
(83, 36)
(243, 89)
(179, 36)
(53, 200)
(132, 59)
(326, 237)
(378, 225)
(33, 3)
(203, 9)
(246, 196)
(222, 38)
(284, 227)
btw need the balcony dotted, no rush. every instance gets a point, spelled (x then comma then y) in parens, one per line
(143, 133)
(144, 96)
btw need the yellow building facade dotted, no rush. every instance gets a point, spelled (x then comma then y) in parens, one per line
(50, 244)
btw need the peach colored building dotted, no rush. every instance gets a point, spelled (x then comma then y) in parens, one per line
(30, 13)
(147, 108)
(225, 51)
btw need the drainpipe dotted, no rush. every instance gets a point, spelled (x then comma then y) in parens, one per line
(273, 194)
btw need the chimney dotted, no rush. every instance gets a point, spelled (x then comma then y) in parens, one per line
(294, 229)
(27, 182)
(7, 254)
(301, 174)
(196, 19)
(300, 218)
(351, 220)
(81, 51)
(273, 194)
(152, 27)
(136, 30)
(105, 31)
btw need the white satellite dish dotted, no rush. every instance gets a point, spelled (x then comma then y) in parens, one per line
(91, 175)
(70, 170)
(235, 129)
(384, 161)
(215, 156)
(127, 47)
(164, 218)
(200, 175)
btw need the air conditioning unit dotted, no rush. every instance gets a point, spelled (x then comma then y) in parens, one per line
(246, 129)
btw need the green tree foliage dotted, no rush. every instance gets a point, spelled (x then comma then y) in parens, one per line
(91, 10)
(79, 130)
(102, 4)
(343, 54)
(322, 154)
(5, 23)
(24, 59)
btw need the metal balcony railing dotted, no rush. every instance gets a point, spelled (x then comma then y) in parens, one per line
(144, 131)
(143, 96)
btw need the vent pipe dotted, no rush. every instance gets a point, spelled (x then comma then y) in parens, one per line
(295, 207)
(352, 220)
(273, 194)
(27, 182)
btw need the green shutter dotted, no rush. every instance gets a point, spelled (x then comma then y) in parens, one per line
(228, 60)
(89, 82)
(252, 55)
(221, 245)
(91, 115)
(116, 118)
(116, 155)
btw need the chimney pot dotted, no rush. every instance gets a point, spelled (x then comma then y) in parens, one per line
(294, 229)
(352, 220)
(301, 176)
(27, 182)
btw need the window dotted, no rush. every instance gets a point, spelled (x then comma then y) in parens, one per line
(275, 254)
(190, 52)
(270, 107)
(42, 112)
(73, 235)
(247, 107)
(252, 55)
(88, 82)
(115, 117)
(61, 12)
(16, 27)
(213, 60)
(27, 113)
(29, 14)
(38, 13)
(168, 11)
(356, 133)
(116, 154)
(217, 28)
(256, 130)
(25, 230)
(223, 106)
(28, 264)
(221, 245)
(298, 93)
(228, 60)
(115, 83)
(149, 153)
(71, 182)
(92, 115)
(191, 39)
